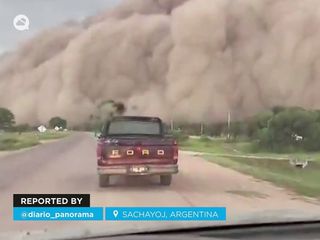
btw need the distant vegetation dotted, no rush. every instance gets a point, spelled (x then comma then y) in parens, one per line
(288, 129)
(264, 145)
(58, 122)
(102, 113)
(105, 110)
(8, 123)
(17, 136)
(6, 119)
(278, 130)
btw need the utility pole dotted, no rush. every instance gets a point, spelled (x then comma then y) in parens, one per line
(171, 125)
(201, 129)
(229, 124)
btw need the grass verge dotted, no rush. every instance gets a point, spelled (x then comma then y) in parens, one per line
(222, 148)
(280, 172)
(208, 146)
(268, 166)
(16, 141)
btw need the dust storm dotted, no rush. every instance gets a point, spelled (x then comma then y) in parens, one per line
(192, 60)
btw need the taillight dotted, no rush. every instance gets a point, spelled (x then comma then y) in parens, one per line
(100, 152)
(175, 152)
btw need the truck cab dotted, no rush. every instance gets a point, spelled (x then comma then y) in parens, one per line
(136, 146)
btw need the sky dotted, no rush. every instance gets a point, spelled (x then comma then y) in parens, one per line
(43, 14)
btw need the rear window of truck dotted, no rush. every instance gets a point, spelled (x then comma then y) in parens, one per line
(134, 127)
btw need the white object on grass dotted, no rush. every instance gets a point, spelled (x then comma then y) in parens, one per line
(42, 129)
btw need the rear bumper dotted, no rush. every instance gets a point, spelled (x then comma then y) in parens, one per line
(151, 169)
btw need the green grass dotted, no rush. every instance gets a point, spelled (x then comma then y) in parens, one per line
(280, 172)
(51, 135)
(213, 146)
(222, 148)
(15, 141)
(217, 146)
(268, 166)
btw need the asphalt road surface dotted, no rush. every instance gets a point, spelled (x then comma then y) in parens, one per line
(69, 166)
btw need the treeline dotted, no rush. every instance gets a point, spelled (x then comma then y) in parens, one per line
(8, 123)
(103, 111)
(286, 129)
(279, 129)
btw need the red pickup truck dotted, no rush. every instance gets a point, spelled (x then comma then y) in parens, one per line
(136, 146)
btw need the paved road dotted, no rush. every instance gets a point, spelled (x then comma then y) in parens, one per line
(68, 166)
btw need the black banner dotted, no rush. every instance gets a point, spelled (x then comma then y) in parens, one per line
(51, 200)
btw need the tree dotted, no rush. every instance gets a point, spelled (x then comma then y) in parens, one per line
(236, 129)
(6, 119)
(22, 128)
(104, 111)
(57, 122)
(265, 137)
(292, 122)
(278, 109)
(258, 122)
(312, 141)
(215, 129)
(291, 128)
(119, 108)
(108, 109)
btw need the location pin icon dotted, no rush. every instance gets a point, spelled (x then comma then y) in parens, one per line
(115, 213)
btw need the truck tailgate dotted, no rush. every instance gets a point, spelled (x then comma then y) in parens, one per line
(118, 151)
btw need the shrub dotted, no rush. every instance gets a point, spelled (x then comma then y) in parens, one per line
(205, 138)
(180, 136)
(7, 143)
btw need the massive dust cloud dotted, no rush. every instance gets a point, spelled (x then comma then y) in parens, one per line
(190, 60)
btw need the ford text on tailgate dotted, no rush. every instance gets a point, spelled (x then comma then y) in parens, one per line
(136, 146)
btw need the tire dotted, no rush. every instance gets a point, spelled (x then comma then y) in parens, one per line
(104, 180)
(165, 180)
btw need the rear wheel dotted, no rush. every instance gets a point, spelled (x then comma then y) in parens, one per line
(104, 180)
(165, 180)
